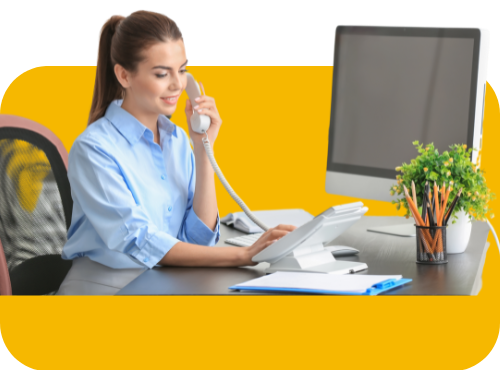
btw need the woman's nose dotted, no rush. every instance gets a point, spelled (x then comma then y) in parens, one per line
(176, 82)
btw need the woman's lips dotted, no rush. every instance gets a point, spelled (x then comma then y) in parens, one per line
(172, 100)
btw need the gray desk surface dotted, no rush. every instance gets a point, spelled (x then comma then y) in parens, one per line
(384, 255)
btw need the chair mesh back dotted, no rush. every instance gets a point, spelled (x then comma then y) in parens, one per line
(33, 215)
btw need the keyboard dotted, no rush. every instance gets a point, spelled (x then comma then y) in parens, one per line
(245, 240)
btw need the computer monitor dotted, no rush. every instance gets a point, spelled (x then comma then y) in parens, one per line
(392, 86)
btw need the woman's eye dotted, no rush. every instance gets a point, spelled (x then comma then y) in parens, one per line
(165, 75)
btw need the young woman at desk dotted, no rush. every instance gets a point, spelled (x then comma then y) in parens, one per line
(132, 171)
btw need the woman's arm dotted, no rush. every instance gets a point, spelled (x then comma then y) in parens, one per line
(205, 199)
(185, 254)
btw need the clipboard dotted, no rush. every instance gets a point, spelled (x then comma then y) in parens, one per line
(316, 283)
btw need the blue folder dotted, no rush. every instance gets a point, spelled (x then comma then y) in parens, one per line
(374, 290)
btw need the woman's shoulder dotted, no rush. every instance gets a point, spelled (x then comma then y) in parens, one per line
(99, 136)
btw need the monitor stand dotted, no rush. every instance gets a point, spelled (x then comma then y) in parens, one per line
(406, 230)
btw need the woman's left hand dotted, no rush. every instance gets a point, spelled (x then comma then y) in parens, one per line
(204, 105)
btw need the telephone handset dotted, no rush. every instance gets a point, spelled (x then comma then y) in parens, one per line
(200, 124)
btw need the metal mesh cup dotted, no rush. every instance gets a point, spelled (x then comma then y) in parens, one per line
(431, 245)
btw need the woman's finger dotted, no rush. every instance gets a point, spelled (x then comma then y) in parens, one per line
(286, 227)
(188, 109)
(277, 234)
(204, 98)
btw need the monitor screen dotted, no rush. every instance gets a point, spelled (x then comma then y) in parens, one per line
(393, 86)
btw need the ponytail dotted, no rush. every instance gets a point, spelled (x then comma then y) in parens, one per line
(122, 40)
(106, 88)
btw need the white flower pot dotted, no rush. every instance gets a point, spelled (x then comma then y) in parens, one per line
(458, 234)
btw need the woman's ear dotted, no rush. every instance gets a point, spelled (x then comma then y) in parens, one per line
(122, 75)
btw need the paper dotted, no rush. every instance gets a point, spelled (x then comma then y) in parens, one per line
(316, 281)
(240, 221)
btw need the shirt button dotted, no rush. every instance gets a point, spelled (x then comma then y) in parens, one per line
(163, 177)
(145, 259)
(169, 208)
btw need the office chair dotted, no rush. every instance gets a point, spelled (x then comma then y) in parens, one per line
(35, 208)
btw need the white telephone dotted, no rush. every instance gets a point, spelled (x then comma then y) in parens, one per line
(302, 249)
(200, 124)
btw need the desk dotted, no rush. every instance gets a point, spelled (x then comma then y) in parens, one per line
(384, 254)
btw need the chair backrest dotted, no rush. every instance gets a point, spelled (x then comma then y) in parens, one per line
(35, 207)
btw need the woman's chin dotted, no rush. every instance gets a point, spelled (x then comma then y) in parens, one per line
(168, 111)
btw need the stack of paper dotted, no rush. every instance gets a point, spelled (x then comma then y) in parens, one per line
(323, 283)
(240, 221)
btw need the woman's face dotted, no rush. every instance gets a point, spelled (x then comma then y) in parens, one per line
(159, 80)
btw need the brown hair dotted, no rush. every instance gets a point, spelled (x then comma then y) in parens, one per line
(122, 40)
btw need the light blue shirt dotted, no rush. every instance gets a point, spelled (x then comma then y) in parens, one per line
(132, 198)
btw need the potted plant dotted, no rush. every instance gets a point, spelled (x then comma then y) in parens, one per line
(455, 169)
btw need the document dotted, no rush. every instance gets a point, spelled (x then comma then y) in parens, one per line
(240, 221)
(323, 283)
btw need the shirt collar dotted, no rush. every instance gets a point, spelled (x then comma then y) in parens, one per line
(130, 127)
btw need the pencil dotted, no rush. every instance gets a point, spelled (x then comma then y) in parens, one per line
(441, 222)
(424, 208)
(432, 223)
(426, 200)
(413, 208)
(445, 203)
(436, 202)
(423, 238)
(433, 204)
(429, 213)
(437, 232)
(443, 191)
(453, 204)
(414, 193)
(418, 220)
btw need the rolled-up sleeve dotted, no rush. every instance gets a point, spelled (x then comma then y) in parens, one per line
(99, 187)
(194, 230)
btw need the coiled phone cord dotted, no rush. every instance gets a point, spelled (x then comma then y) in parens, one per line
(237, 199)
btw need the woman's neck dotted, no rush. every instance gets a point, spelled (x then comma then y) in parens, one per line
(150, 120)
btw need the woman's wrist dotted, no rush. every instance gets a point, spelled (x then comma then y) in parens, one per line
(242, 257)
(198, 149)
(202, 162)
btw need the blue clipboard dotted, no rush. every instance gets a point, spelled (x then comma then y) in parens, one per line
(374, 290)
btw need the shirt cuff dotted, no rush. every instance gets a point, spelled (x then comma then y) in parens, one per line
(155, 248)
(198, 232)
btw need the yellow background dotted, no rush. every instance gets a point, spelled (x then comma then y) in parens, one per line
(272, 148)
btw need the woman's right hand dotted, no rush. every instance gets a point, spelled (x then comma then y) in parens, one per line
(268, 238)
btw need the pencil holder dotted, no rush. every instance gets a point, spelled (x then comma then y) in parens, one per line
(431, 245)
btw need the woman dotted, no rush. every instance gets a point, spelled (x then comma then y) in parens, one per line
(132, 171)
